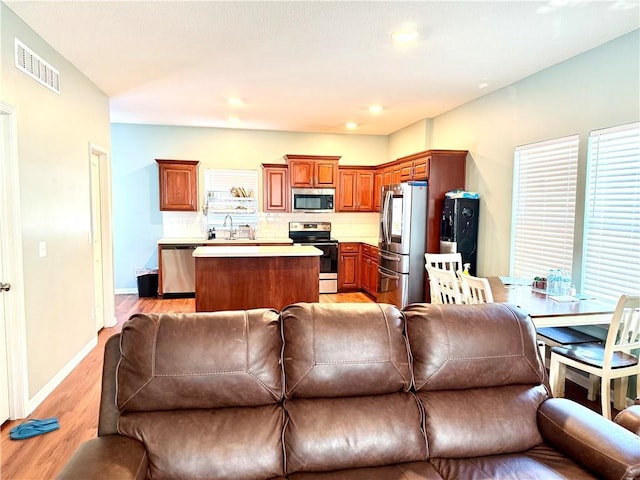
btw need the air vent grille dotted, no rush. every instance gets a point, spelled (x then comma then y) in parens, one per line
(36, 67)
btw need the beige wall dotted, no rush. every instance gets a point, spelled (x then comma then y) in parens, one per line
(597, 89)
(54, 133)
(411, 139)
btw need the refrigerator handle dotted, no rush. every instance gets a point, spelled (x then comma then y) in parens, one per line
(394, 258)
(384, 274)
(385, 218)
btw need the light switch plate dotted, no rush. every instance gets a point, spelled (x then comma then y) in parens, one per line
(42, 249)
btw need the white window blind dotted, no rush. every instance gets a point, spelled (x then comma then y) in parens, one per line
(543, 214)
(611, 261)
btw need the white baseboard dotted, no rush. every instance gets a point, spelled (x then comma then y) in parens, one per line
(45, 391)
(125, 291)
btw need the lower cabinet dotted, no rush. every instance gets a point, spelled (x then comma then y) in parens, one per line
(358, 268)
(348, 266)
(369, 269)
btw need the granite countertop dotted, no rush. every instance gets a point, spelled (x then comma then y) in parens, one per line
(216, 241)
(242, 251)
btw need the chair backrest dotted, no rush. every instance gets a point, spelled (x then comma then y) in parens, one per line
(624, 331)
(475, 289)
(444, 261)
(444, 286)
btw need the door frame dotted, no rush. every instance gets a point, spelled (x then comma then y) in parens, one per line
(11, 238)
(106, 229)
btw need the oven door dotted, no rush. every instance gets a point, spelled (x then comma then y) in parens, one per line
(328, 267)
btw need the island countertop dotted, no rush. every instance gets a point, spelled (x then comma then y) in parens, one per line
(243, 251)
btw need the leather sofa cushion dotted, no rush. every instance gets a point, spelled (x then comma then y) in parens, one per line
(324, 434)
(403, 471)
(482, 421)
(341, 350)
(225, 443)
(472, 346)
(199, 360)
(539, 463)
(479, 377)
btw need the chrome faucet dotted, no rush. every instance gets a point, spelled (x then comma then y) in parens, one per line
(231, 226)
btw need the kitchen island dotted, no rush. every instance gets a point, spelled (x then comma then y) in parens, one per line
(243, 277)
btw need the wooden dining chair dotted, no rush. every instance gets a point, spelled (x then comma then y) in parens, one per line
(475, 289)
(444, 286)
(442, 261)
(612, 361)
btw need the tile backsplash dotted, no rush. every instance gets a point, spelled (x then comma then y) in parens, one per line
(344, 226)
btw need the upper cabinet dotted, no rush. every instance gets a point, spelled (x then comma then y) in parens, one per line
(355, 189)
(178, 185)
(414, 167)
(275, 191)
(315, 171)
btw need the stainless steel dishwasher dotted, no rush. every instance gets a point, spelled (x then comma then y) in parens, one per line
(178, 270)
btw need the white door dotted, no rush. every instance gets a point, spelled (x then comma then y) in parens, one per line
(96, 241)
(14, 393)
(4, 367)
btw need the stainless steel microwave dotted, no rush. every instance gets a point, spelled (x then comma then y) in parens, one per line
(316, 200)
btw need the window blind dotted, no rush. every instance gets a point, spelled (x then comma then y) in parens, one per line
(543, 213)
(611, 261)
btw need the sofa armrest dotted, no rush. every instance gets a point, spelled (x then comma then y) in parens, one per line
(111, 456)
(590, 439)
(629, 418)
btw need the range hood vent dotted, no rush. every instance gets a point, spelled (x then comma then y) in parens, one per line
(36, 67)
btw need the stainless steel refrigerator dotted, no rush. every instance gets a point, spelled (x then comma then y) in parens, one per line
(402, 242)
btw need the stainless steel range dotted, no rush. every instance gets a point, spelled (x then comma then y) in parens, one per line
(318, 234)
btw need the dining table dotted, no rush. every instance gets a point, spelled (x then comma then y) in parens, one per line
(549, 311)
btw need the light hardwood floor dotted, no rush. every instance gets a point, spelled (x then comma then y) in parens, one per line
(76, 400)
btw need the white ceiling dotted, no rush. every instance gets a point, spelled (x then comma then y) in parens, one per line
(313, 65)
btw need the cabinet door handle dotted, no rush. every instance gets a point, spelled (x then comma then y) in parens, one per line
(5, 287)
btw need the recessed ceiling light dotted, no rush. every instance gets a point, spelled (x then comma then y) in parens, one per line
(405, 36)
(351, 125)
(235, 101)
(375, 108)
(483, 85)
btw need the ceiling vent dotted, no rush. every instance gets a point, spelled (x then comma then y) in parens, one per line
(36, 67)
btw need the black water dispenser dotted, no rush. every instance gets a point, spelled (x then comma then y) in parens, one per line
(459, 229)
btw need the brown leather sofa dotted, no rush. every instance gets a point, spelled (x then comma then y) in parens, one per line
(342, 391)
(629, 418)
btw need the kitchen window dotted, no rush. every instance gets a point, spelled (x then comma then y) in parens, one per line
(611, 260)
(543, 213)
(234, 193)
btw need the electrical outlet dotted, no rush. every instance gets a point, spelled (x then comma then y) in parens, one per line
(42, 249)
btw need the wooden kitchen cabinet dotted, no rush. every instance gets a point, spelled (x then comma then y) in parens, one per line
(414, 167)
(369, 269)
(178, 185)
(275, 187)
(355, 190)
(377, 190)
(314, 171)
(348, 266)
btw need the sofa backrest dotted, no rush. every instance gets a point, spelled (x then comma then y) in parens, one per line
(203, 392)
(347, 381)
(477, 369)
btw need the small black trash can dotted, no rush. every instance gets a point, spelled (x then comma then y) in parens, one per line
(147, 282)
